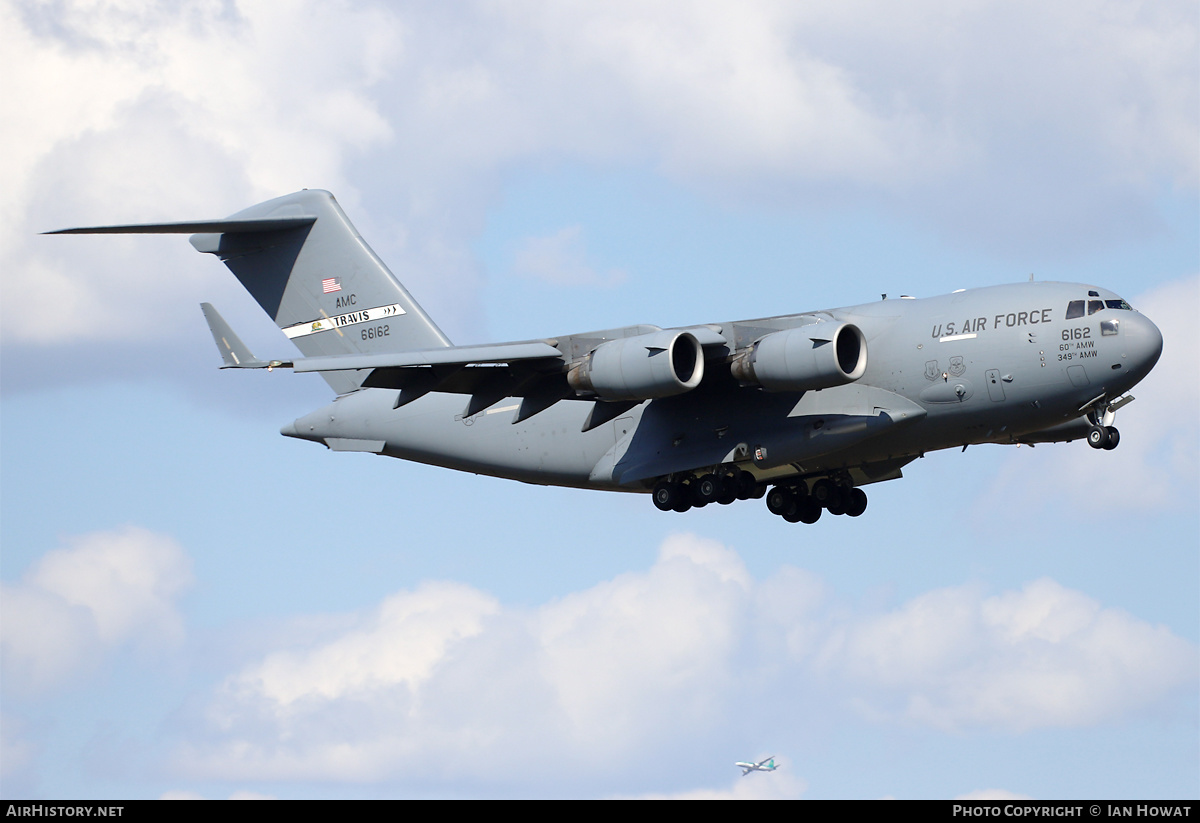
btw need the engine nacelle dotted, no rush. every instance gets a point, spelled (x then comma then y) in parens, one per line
(658, 364)
(816, 356)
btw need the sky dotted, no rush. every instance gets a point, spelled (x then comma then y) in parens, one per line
(195, 606)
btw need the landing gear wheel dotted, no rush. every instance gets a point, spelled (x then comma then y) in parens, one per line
(836, 504)
(778, 499)
(665, 495)
(1114, 437)
(808, 510)
(745, 484)
(683, 499)
(728, 490)
(823, 491)
(857, 503)
(1098, 437)
(705, 490)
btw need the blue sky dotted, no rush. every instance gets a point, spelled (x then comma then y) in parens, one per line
(195, 606)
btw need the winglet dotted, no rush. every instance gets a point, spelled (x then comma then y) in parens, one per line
(234, 353)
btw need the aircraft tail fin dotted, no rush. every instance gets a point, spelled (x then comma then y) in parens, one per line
(310, 270)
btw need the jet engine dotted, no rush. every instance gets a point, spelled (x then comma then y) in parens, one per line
(657, 364)
(816, 356)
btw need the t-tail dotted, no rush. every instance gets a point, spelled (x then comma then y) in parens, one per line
(304, 262)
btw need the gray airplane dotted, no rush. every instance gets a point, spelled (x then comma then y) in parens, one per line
(804, 409)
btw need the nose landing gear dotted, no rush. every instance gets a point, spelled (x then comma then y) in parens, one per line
(1104, 437)
(1104, 434)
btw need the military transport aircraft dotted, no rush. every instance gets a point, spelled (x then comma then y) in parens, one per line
(804, 409)
(767, 765)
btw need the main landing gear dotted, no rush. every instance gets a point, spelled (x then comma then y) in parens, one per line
(795, 503)
(698, 492)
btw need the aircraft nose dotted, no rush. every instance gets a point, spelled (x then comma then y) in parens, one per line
(1143, 345)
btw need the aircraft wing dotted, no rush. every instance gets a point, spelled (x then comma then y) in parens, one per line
(530, 370)
(533, 370)
(446, 356)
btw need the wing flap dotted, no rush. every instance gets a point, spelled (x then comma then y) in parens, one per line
(448, 356)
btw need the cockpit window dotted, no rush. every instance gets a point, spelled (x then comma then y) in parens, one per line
(1118, 304)
(1110, 327)
(1074, 309)
(1095, 306)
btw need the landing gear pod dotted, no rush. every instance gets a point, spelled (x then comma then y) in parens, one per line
(658, 364)
(817, 356)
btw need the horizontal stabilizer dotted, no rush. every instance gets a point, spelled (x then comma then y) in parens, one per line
(234, 353)
(224, 226)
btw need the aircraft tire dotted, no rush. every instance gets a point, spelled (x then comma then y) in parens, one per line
(858, 502)
(809, 510)
(683, 500)
(1097, 437)
(838, 500)
(795, 512)
(777, 499)
(665, 494)
(760, 491)
(1114, 438)
(745, 484)
(823, 491)
(728, 490)
(706, 490)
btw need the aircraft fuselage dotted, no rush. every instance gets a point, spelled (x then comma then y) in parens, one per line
(988, 365)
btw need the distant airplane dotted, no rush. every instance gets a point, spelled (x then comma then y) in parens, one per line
(767, 765)
(787, 407)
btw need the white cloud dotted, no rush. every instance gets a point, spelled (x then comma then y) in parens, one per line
(1052, 121)
(1157, 464)
(104, 591)
(398, 644)
(1045, 656)
(131, 112)
(650, 664)
(677, 625)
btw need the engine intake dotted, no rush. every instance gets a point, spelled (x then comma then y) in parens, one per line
(658, 364)
(816, 356)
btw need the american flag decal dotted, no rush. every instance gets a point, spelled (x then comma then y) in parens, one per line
(331, 284)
